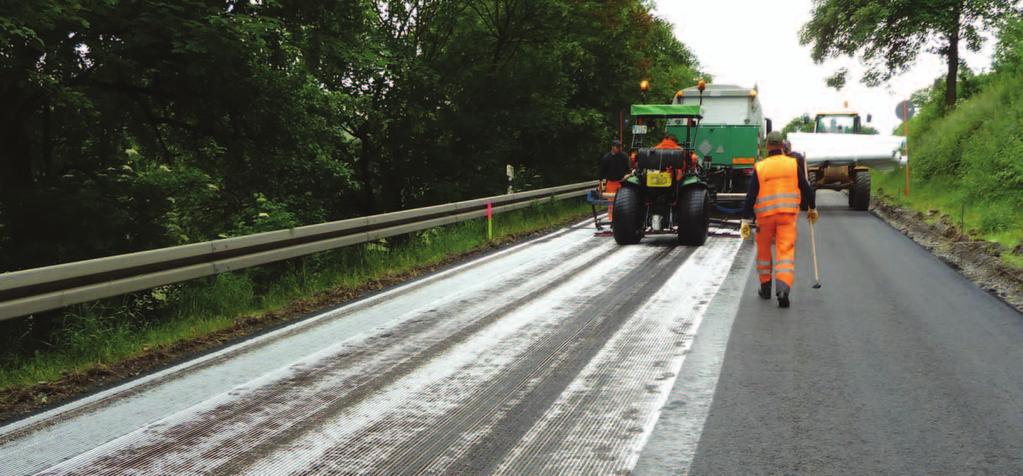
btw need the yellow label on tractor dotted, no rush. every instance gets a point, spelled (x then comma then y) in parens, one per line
(658, 179)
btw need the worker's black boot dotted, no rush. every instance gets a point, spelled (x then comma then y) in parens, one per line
(765, 290)
(783, 294)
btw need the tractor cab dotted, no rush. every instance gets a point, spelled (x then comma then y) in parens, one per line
(845, 121)
(837, 123)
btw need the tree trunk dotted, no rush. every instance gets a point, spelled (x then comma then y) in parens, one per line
(953, 63)
(364, 173)
(49, 168)
(15, 154)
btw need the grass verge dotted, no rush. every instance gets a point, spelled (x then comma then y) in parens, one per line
(85, 339)
(990, 217)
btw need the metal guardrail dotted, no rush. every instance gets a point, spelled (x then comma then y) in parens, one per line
(52, 287)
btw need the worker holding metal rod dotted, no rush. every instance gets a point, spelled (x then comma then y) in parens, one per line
(778, 190)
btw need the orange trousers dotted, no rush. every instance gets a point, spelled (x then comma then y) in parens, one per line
(779, 230)
(612, 187)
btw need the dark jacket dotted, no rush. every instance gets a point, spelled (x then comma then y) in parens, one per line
(808, 194)
(614, 166)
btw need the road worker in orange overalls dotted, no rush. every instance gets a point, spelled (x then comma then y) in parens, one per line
(777, 191)
(613, 167)
(669, 142)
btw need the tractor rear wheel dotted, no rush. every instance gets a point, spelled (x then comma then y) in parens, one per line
(859, 195)
(693, 216)
(628, 221)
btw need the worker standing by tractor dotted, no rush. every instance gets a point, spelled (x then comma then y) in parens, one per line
(669, 142)
(778, 190)
(613, 167)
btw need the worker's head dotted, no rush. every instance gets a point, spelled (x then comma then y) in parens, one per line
(775, 141)
(616, 146)
(671, 137)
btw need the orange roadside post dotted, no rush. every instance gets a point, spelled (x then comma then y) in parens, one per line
(905, 132)
(490, 221)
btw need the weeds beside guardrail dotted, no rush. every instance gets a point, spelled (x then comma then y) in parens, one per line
(30, 291)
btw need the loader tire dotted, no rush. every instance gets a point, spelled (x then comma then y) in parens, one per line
(693, 216)
(859, 195)
(629, 217)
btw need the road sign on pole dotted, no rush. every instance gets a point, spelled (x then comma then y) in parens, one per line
(904, 109)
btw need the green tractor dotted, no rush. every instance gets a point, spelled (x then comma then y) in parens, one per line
(667, 192)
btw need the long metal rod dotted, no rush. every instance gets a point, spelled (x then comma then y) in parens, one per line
(42, 289)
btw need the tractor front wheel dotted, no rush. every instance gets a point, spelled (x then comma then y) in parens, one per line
(693, 216)
(629, 217)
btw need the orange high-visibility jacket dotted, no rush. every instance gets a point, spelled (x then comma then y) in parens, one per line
(668, 144)
(778, 177)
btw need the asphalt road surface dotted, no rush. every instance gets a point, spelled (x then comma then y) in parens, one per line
(571, 355)
(897, 365)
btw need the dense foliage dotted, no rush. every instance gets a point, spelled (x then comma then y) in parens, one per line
(888, 36)
(130, 125)
(798, 124)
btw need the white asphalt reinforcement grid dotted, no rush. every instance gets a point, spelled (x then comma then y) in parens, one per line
(26, 446)
(367, 383)
(600, 423)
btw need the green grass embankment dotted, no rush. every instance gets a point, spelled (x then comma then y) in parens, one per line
(106, 333)
(968, 164)
(991, 220)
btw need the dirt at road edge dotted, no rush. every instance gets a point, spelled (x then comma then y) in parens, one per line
(979, 261)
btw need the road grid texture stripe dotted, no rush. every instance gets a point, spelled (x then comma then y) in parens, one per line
(572, 355)
(35, 423)
(83, 425)
(601, 422)
(224, 427)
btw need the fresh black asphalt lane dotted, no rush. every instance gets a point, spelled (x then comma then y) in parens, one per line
(898, 365)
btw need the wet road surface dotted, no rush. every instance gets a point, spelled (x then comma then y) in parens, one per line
(554, 356)
(897, 365)
(570, 355)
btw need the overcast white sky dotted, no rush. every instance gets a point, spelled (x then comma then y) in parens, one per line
(732, 39)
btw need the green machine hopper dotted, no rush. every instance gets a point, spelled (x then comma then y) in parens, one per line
(730, 136)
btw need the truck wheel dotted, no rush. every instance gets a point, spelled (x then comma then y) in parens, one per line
(859, 196)
(693, 216)
(628, 221)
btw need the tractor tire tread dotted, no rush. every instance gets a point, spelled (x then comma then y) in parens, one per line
(694, 216)
(859, 196)
(627, 223)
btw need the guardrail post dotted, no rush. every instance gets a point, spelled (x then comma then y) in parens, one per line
(490, 221)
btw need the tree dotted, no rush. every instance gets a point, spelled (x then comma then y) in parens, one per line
(1009, 50)
(888, 36)
(133, 125)
(799, 124)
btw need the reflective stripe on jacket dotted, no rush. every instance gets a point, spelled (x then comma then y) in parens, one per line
(778, 177)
